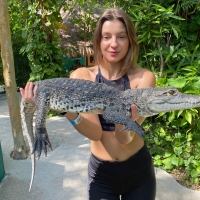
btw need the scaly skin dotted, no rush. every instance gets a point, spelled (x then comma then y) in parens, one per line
(27, 112)
(75, 95)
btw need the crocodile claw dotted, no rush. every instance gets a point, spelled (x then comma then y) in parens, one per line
(133, 125)
(41, 142)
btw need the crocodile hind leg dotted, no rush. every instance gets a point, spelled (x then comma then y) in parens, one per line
(41, 140)
(119, 118)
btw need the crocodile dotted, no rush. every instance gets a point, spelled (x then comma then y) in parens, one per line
(83, 96)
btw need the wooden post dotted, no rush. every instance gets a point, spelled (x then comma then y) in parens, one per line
(19, 151)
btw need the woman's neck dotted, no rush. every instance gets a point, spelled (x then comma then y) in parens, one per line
(111, 71)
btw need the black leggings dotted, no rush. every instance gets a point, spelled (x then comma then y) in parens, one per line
(133, 179)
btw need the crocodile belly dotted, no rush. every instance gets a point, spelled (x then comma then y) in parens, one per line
(76, 106)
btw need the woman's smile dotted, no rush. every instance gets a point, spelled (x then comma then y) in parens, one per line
(113, 53)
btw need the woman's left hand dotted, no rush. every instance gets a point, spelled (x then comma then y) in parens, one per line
(28, 93)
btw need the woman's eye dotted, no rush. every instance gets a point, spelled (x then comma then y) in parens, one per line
(122, 36)
(105, 37)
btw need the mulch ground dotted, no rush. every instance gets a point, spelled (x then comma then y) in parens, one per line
(180, 177)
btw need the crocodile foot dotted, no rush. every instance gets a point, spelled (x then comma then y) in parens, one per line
(40, 142)
(133, 125)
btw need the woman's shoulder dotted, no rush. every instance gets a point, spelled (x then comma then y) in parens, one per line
(141, 77)
(138, 71)
(87, 73)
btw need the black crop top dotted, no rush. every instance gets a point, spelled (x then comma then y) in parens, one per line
(122, 84)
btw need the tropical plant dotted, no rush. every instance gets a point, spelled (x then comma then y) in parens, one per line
(155, 25)
(42, 39)
(175, 140)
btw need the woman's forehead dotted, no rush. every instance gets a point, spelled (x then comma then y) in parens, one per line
(113, 26)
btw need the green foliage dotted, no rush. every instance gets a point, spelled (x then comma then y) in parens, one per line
(42, 40)
(169, 38)
(174, 141)
(154, 21)
(162, 31)
(184, 6)
(174, 138)
(155, 26)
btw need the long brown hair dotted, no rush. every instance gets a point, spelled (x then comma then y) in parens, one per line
(130, 60)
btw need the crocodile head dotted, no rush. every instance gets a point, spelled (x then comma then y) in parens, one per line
(152, 101)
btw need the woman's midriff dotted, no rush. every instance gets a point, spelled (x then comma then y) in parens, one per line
(108, 148)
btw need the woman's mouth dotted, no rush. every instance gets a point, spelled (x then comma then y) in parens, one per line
(113, 53)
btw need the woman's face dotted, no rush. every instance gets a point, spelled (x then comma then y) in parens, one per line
(114, 42)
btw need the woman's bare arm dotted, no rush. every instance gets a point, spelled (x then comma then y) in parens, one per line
(125, 137)
(89, 125)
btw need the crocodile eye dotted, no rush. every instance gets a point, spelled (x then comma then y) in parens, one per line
(171, 92)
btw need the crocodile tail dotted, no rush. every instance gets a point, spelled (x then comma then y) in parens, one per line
(33, 170)
(27, 113)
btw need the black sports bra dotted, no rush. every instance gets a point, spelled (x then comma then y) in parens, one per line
(122, 84)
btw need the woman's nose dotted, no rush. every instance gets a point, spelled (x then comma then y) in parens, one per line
(114, 42)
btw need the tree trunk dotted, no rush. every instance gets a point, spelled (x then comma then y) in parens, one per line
(20, 150)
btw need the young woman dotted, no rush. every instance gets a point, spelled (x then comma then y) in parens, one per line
(120, 163)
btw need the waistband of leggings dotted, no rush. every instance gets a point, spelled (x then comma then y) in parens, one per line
(134, 163)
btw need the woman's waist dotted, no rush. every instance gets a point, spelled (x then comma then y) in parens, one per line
(137, 161)
(109, 149)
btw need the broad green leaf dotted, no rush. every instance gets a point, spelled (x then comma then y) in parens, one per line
(161, 81)
(194, 173)
(171, 48)
(175, 160)
(175, 32)
(168, 138)
(189, 137)
(178, 150)
(179, 82)
(188, 116)
(158, 162)
(172, 116)
(178, 135)
(167, 154)
(197, 84)
(179, 113)
(157, 157)
(198, 169)
(176, 17)
(168, 163)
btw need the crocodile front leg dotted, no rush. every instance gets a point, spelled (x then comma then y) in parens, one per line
(119, 118)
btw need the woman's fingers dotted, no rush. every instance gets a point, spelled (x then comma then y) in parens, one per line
(134, 112)
(28, 93)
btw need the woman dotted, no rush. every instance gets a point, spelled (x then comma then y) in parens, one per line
(120, 163)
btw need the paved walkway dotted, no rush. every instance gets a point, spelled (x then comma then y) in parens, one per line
(62, 174)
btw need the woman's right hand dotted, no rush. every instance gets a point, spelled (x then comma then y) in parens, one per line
(28, 93)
